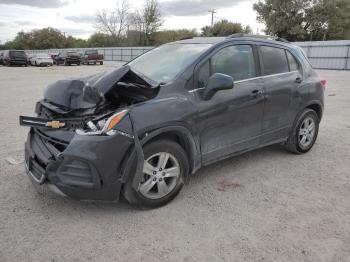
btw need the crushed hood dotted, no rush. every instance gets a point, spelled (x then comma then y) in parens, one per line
(87, 92)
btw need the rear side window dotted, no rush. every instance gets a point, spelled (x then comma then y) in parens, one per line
(17, 53)
(235, 61)
(293, 64)
(274, 60)
(93, 52)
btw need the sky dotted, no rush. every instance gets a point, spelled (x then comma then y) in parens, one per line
(77, 17)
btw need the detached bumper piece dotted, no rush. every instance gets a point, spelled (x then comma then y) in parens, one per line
(82, 169)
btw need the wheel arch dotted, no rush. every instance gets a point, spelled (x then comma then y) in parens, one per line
(180, 135)
(317, 107)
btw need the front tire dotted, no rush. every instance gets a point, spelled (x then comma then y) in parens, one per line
(164, 171)
(304, 133)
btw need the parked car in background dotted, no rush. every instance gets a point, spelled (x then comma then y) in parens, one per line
(41, 60)
(53, 56)
(15, 57)
(1, 58)
(29, 57)
(92, 57)
(68, 58)
(142, 129)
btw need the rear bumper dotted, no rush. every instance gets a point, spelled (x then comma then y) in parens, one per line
(90, 61)
(73, 60)
(17, 62)
(89, 167)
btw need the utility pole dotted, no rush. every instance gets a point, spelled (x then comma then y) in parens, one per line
(213, 11)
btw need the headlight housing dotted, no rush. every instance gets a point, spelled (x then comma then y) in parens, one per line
(104, 126)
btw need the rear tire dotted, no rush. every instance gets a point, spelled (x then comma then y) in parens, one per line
(165, 168)
(304, 132)
(101, 63)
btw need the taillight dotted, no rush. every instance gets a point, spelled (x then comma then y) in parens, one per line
(323, 83)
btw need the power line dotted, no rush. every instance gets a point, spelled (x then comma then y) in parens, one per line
(213, 12)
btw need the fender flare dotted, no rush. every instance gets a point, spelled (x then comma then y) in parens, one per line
(195, 156)
(297, 117)
(317, 102)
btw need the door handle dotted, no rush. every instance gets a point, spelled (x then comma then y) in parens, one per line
(257, 92)
(298, 80)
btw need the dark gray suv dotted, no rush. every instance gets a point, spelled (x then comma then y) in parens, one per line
(144, 128)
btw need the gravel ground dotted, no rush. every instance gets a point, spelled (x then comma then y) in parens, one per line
(267, 205)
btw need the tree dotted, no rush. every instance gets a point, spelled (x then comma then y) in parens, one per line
(305, 19)
(225, 28)
(140, 25)
(100, 40)
(151, 18)
(115, 22)
(136, 32)
(166, 36)
(44, 39)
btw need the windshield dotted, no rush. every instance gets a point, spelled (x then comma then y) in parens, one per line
(164, 63)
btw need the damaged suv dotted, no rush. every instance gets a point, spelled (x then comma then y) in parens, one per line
(144, 128)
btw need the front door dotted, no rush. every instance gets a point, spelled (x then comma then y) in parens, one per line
(230, 121)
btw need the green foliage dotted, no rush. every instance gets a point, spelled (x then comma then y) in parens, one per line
(167, 36)
(44, 39)
(100, 40)
(298, 20)
(225, 28)
(152, 20)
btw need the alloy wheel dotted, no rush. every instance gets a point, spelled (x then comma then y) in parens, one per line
(306, 132)
(160, 174)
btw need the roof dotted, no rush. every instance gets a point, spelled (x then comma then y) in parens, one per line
(202, 40)
(235, 37)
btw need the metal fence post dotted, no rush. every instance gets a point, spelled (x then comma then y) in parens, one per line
(308, 51)
(347, 58)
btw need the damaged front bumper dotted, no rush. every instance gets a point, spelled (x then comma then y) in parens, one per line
(88, 167)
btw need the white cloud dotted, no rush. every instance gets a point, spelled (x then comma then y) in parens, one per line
(36, 3)
(77, 17)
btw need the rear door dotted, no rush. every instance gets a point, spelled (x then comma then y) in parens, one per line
(281, 77)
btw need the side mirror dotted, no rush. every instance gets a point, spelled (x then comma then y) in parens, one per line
(216, 83)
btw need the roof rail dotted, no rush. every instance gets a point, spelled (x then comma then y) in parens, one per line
(259, 36)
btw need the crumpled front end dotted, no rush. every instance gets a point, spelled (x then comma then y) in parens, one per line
(87, 167)
(83, 134)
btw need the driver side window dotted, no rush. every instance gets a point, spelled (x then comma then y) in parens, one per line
(236, 61)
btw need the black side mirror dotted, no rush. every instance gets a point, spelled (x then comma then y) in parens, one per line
(216, 83)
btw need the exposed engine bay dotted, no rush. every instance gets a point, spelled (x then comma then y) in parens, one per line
(82, 103)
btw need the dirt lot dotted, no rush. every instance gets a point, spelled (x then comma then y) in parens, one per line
(266, 205)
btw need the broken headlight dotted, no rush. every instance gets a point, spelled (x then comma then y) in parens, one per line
(103, 126)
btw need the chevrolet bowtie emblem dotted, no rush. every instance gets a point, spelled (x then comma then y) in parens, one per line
(55, 124)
